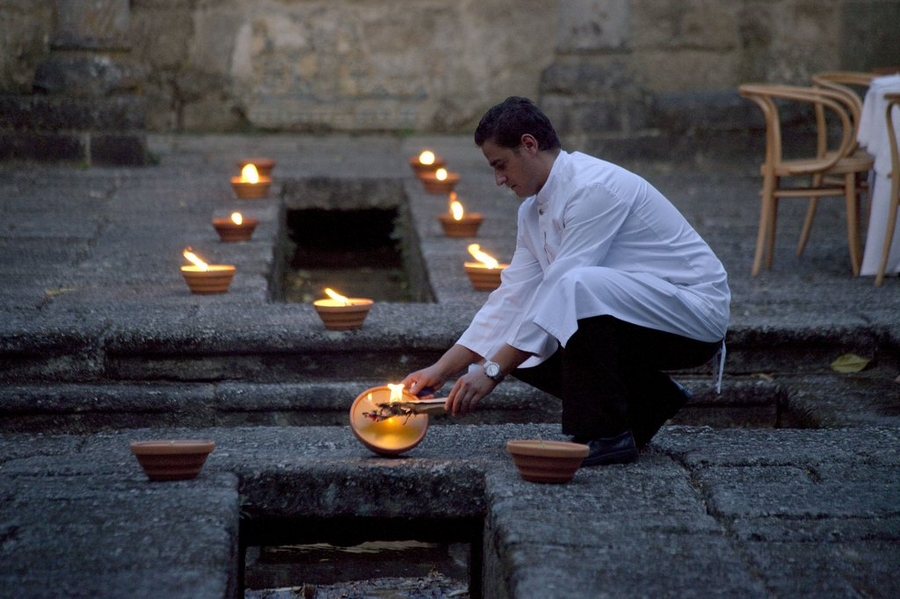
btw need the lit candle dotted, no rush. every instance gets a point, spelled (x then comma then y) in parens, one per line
(250, 185)
(341, 313)
(439, 181)
(457, 222)
(426, 162)
(203, 278)
(484, 274)
(235, 228)
(263, 166)
(388, 436)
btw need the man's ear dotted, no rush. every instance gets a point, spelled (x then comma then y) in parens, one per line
(530, 144)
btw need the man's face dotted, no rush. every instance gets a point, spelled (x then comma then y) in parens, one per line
(515, 168)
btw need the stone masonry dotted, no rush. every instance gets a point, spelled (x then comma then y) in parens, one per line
(605, 70)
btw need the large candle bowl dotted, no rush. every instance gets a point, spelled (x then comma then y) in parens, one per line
(390, 436)
(482, 277)
(343, 315)
(214, 279)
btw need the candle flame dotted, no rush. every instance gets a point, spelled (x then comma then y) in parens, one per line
(440, 174)
(426, 157)
(486, 259)
(249, 174)
(194, 259)
(336, 296)
(236, 218)
(456, 209)
(396, 392)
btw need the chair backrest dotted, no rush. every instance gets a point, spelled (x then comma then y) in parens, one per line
(765, 95)
(843, 82)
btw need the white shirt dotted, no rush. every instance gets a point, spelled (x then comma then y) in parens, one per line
(600, 240)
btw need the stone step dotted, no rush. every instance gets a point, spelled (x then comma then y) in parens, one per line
(748, 401)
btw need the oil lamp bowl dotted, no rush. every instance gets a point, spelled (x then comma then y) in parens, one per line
(389, 437)
(179, 459)
(207, 282)
(230, 232)
(420, 169)
(245, 190)
(263, 166)
(540, 461)
(343, 317)
(482, 277)
(467, 226)
(434, 185)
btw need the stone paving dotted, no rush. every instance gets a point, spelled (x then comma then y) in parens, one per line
(101, 344)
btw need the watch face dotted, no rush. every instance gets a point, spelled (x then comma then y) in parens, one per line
(492, 369)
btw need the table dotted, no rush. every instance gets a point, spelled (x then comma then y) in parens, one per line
(873, 136)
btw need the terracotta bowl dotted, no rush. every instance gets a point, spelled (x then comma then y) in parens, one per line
(263, 166)
(390, 437)
(230, 232)
(434, 185)
(343, 317)
(419, 169)
(178, 459)
(541, 461)
(217, 279)
(483, 279)
(466, 227)
(245, 190)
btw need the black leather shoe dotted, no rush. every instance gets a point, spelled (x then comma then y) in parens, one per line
(647, 428)
(611, 450)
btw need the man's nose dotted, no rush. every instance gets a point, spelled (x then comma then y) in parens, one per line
(500, 179)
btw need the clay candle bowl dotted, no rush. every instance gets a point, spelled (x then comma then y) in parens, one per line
(426, 162)
(172, 460)
(263, 166)
(206, 279)
(540, 461)
(457, 222)
(484, 274)
(340, 313)
(440, 181)
(392, 436)
(236, 228)
(250, 185)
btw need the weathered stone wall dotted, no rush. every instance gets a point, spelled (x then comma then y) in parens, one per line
(435, 65)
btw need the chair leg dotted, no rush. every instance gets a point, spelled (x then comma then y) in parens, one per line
(770, 229)
(807, 224)
(853, 237)
(762, 235)
(889, 234)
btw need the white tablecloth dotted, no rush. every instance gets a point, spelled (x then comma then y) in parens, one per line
(873, 137)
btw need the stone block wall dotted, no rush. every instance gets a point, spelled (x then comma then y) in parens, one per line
(605, 70)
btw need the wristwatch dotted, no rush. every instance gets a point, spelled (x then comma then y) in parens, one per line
(492, 371)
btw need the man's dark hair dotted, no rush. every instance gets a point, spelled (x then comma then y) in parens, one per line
(507, 122)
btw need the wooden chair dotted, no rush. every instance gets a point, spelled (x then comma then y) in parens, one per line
(812, 169)
(893, 100)
(853, 85)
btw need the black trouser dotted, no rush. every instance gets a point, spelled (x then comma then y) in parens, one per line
(609, 376)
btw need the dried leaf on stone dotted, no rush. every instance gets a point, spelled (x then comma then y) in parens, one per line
(848, 363)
